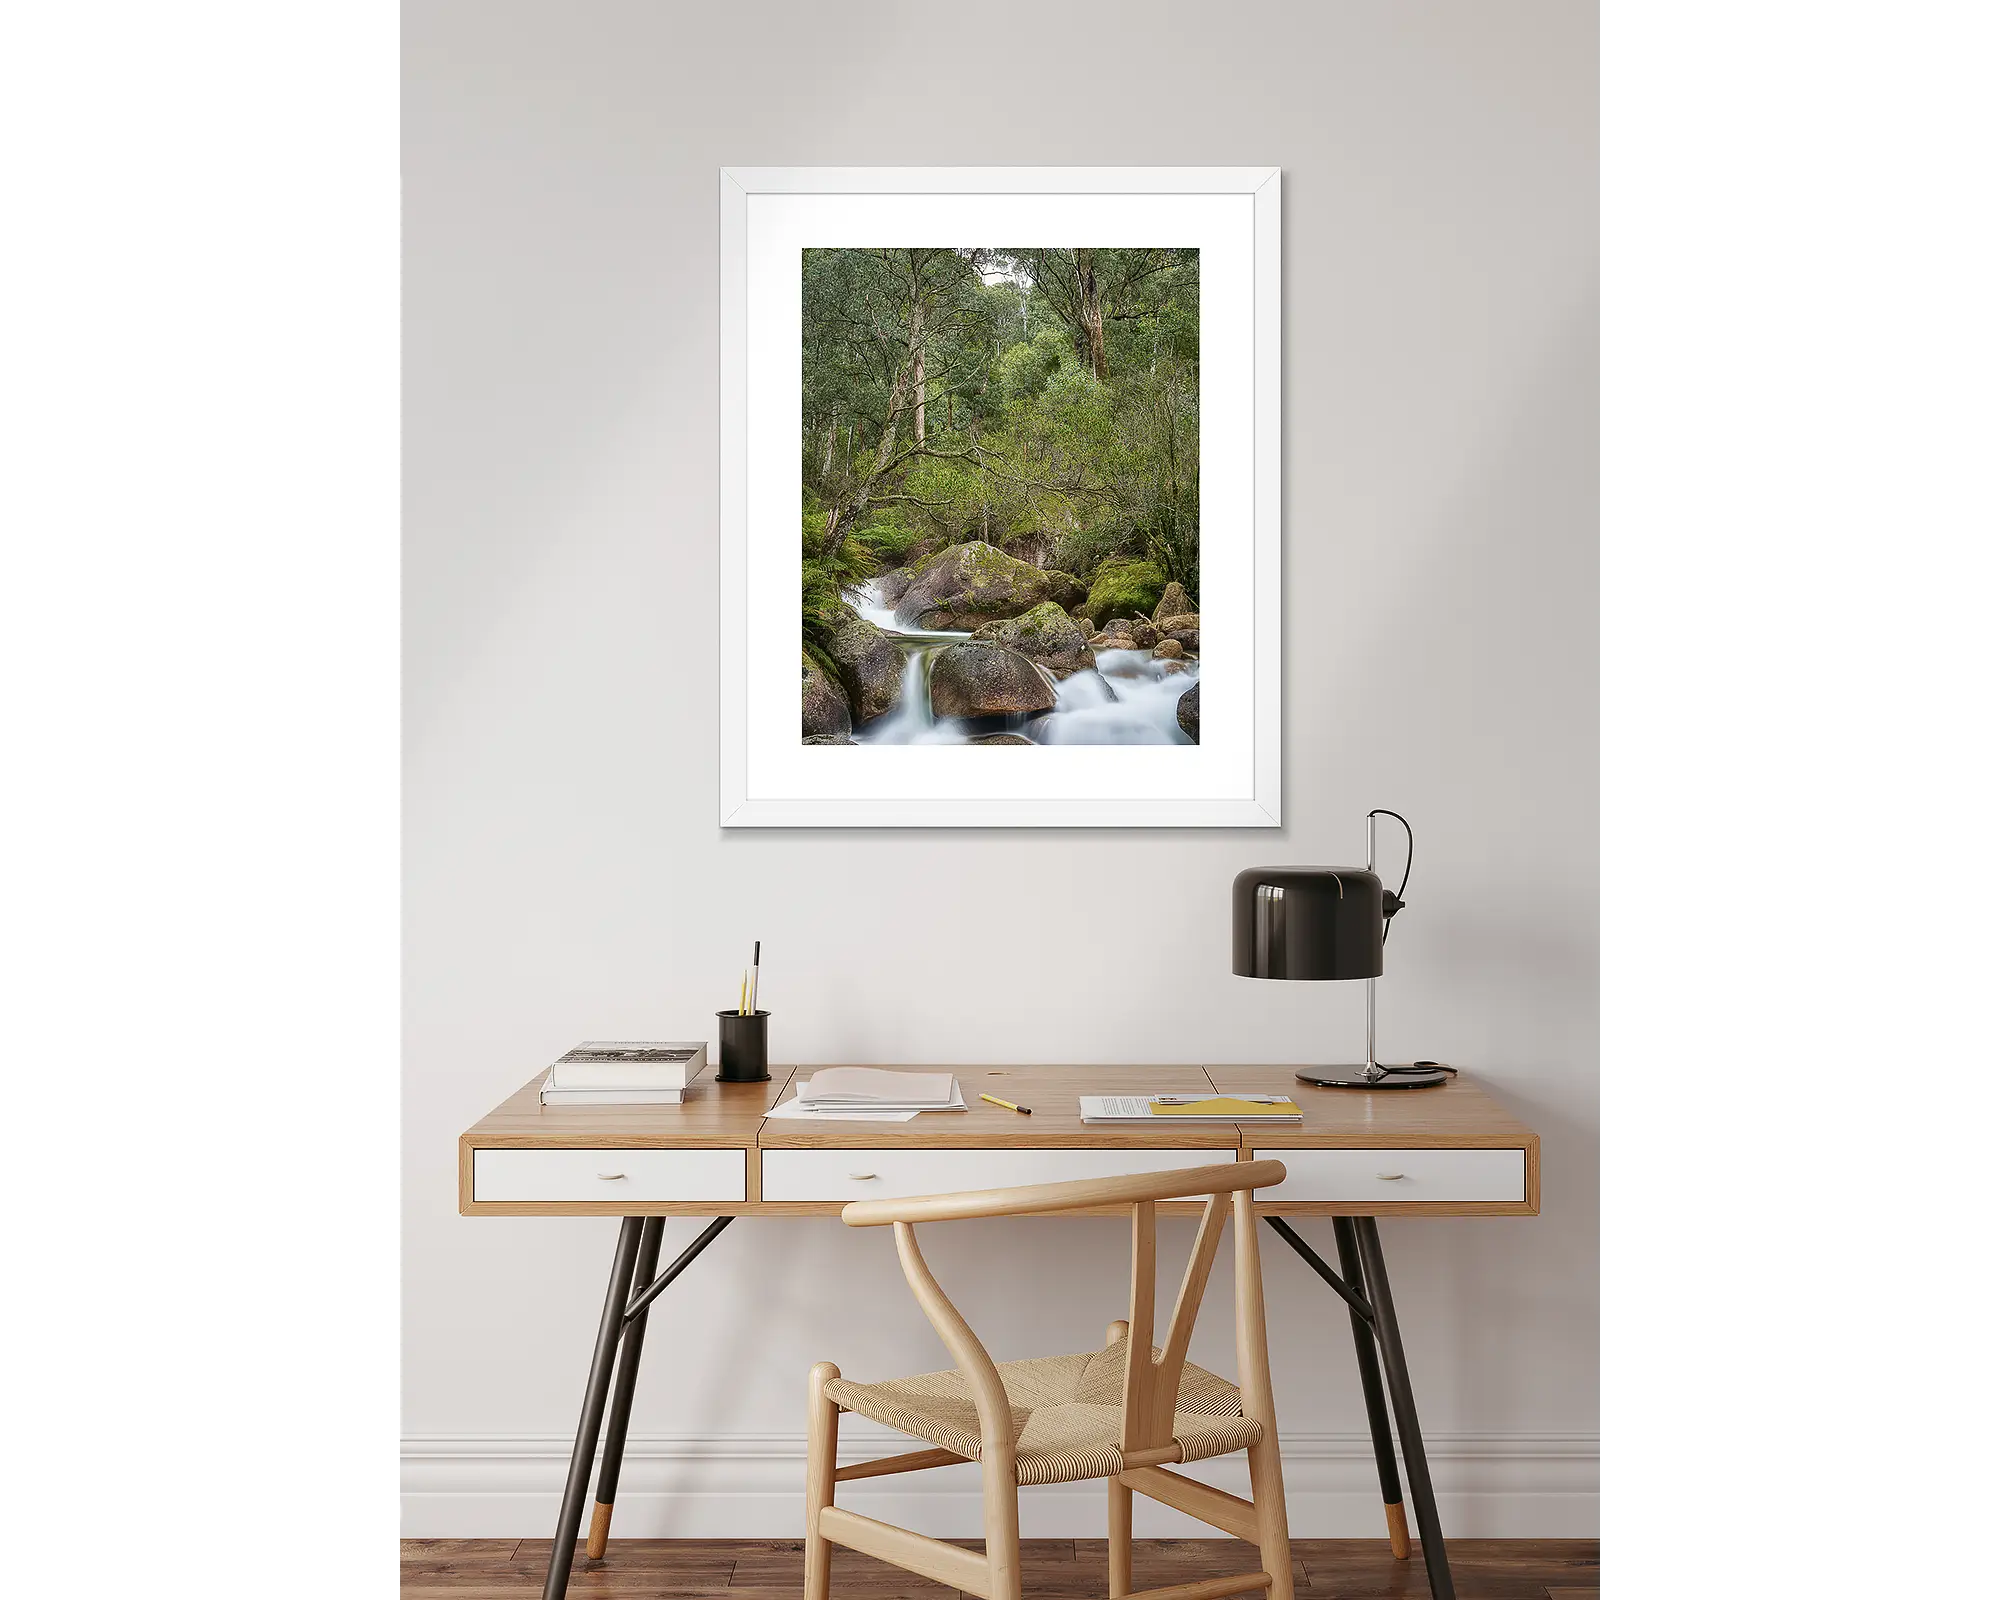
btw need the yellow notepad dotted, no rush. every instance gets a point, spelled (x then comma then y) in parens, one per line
(1228, 1106)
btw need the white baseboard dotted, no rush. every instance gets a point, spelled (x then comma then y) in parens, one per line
(751, 1486)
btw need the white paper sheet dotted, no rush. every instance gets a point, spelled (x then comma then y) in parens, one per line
(792, 1111)
(887, 1086)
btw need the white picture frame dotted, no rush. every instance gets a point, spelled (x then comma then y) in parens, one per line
(1232, 778)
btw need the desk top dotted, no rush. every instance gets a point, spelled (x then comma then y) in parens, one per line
(733, 1116)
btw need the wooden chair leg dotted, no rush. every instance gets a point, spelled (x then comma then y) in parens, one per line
(1003, 1528)
(1253, 1364)
(822, 1443)
(1267, 1492)
(1120, 1508)
(1121, 1539)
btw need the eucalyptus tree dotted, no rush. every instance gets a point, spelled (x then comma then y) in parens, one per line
(883, 330)
(1086, 288)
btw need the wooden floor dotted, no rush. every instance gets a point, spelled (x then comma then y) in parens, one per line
(1062, 1569)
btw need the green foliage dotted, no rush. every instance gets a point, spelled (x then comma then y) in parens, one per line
(1159, 483)
(1061, 402)
(1084, 550)
(888, 539)
(1125, 589)
(1021, 372)
(945, 496)
(823, 578)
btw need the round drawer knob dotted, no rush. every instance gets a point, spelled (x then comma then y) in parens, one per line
(861, 1177)
(1389, 1177)
(609, 1176)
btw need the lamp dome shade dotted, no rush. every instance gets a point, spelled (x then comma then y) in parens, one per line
(1307, 922)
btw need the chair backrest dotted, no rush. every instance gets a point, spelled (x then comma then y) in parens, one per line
(1151, 1381)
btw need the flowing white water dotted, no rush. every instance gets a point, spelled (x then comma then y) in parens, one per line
(867, 602)
(911, 722)
(1130, 699)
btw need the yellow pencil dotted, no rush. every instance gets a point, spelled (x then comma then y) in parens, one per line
(743, 999)
(996, 1100)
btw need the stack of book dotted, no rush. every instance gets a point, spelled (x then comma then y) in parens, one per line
(620, 1072)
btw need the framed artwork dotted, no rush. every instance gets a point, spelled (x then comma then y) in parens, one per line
(1000, 497)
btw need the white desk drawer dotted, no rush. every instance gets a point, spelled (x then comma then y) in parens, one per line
(608, 1175)
(1400, 1177)
(841, 1175)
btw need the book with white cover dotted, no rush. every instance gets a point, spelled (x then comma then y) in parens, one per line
(630, 1064)
(552, 1096)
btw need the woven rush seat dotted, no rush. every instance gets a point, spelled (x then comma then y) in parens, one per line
(1066, 1412)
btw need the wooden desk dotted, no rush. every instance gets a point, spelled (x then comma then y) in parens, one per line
(1448, 1151)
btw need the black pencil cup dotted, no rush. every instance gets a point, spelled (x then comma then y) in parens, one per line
(746, 1055)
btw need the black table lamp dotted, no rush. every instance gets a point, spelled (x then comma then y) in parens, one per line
(1317, 923)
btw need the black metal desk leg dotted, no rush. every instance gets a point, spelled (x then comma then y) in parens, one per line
(1375, 1275)
(1371, 1395)
(599, 1385)
(621, 1394)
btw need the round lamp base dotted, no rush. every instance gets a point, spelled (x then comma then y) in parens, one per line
(1409, 1075)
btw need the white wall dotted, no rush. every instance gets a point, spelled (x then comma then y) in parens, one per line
(565, 875)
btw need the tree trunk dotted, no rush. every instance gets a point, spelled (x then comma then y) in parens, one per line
(852, 507)
(1093, 312)
(917, 338)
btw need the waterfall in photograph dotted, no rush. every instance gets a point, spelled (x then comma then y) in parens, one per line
(1129, 697)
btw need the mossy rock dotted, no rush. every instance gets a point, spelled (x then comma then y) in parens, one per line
(822, 702)
(1064, 588)
(968, 585)
(1047, 635)
(977, 679)
(869, 666)
(1125, 589)
(893, 584)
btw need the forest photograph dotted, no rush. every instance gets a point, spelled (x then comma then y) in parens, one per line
(1000, 463)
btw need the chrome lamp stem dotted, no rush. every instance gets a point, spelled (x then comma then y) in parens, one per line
(1370, 1069)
